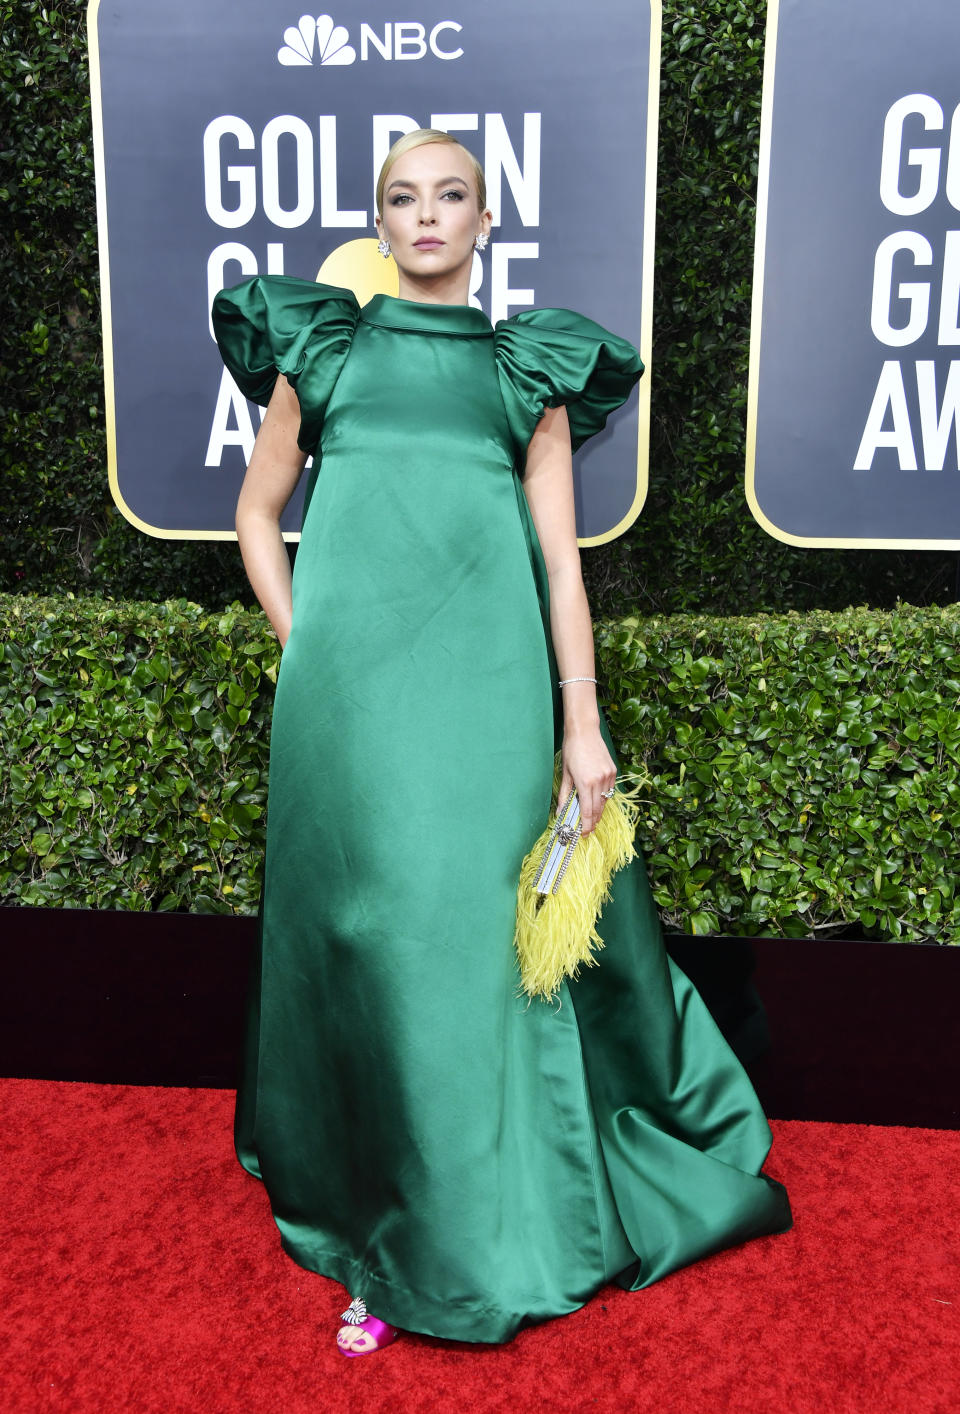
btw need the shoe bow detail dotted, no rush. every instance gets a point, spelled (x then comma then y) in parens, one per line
(356, 1313)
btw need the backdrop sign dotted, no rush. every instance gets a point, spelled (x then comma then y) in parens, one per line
(235, 138)
(855, 356)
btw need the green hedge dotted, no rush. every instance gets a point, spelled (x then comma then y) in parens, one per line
(136, 738)
(804, 773)
(695, 547)
(805, 770)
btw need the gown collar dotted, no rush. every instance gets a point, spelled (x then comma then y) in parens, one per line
(389, 312)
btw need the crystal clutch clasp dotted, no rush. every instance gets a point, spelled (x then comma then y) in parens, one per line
(560, 846)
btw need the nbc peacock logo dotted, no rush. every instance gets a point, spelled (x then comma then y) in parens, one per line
(316, 41)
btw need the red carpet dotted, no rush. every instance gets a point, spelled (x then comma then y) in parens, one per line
(142, 1272)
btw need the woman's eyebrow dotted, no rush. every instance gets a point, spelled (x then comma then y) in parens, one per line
(443, 182)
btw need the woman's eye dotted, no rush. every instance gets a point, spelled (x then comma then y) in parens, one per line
(457, 195)
(401, 198)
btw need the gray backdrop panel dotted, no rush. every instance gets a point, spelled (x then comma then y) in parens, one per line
(167, 71)
(838, 70)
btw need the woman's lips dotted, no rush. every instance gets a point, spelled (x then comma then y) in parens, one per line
(428, 243)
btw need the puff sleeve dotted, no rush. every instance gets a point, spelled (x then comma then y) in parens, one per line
(272, 324)
(549, 357)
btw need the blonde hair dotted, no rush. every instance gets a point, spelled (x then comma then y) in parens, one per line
(419, 138)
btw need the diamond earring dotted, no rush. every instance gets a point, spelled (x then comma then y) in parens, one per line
(480, 241)
(383, 247)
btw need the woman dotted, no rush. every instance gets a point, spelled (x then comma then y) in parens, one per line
(464, 1163)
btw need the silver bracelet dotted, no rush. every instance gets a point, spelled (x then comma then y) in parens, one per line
(563, 681)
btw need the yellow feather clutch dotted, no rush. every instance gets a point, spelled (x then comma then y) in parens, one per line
(557, 930)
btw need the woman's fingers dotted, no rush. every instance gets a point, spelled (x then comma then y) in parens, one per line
(592, 800)
(590, 807)
(587, 765)
(584, 796)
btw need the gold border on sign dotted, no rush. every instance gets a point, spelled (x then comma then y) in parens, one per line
(836, 542)
(646, 296)
(646, 286)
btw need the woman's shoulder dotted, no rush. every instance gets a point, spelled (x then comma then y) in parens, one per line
(284, 293)
(547, 317)
(270, 324)
(551, 356)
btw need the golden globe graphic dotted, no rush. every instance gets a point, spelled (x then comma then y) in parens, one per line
(359, 266)
(266, 163)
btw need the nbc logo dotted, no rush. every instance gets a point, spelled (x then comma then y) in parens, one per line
(320, 41)
(330, 39)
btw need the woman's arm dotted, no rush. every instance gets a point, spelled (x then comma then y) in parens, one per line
(548, 484)
(272, 475)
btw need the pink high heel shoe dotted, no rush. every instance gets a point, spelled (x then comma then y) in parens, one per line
(375, 1333)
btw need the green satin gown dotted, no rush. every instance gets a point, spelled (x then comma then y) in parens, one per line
(466, 1162)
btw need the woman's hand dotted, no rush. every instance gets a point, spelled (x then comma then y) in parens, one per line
(588, 766)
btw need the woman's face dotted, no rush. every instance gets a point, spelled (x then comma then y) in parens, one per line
(430, 212)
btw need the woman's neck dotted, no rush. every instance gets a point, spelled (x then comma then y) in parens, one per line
(437, 289)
